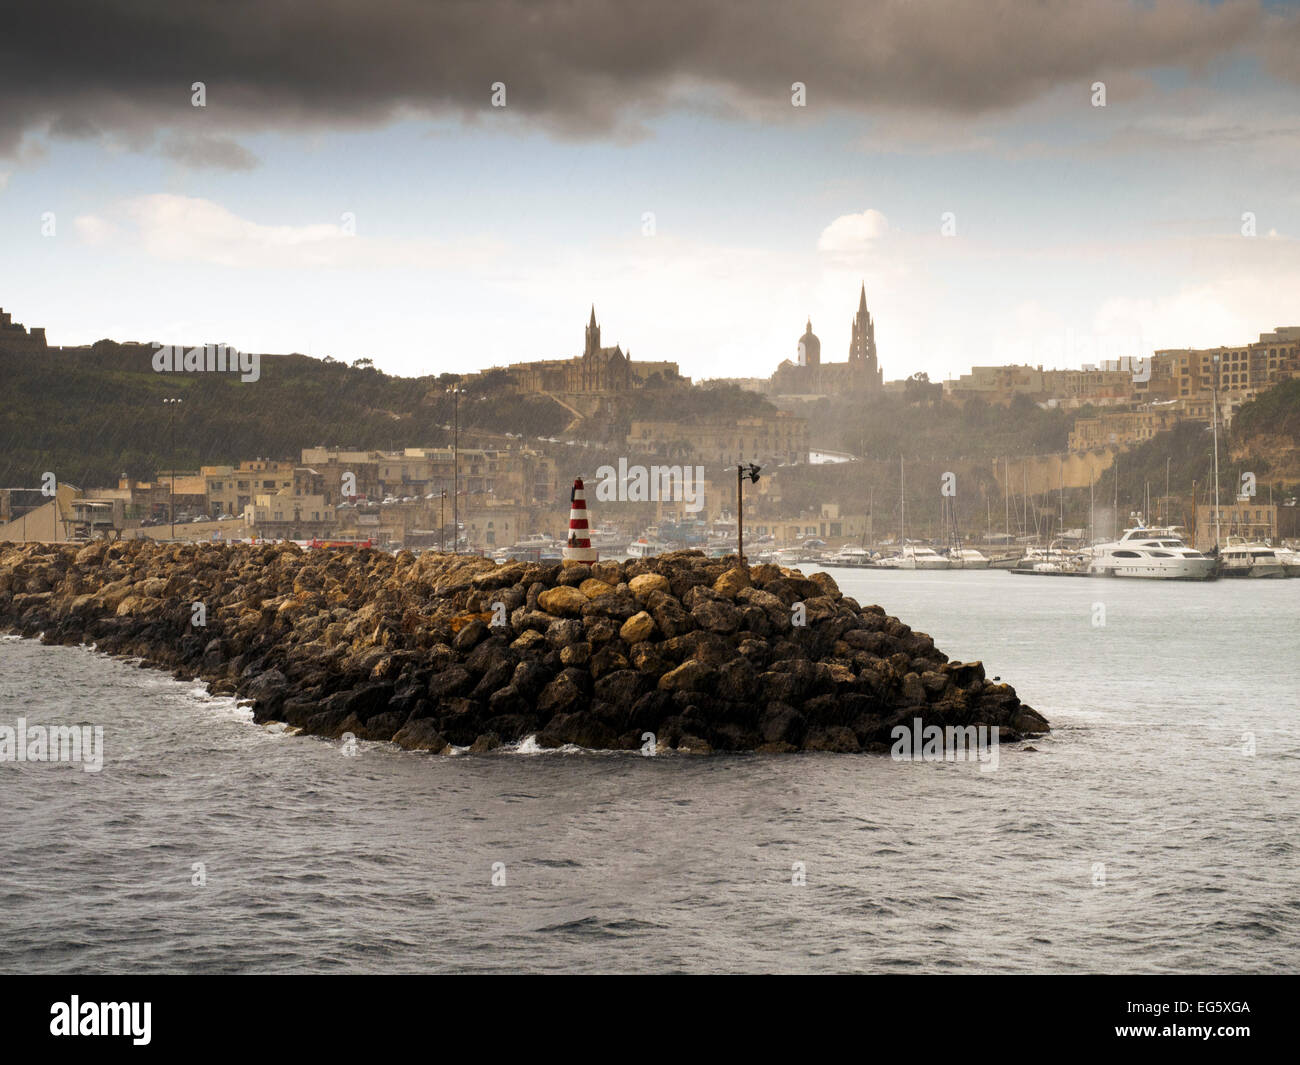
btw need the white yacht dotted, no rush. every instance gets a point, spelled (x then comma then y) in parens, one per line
(849, 555)
(607, 537)
(1155, 553)
(1290, 561)
(647, 546)
(532, 548)
(914, 556)
(1242, 559)
(967, 558)
(1055, 560)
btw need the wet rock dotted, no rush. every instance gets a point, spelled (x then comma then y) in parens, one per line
(699, 652)
(835, 739)
(781, 723)
(692, 675)
(421, 735)
(488, 741)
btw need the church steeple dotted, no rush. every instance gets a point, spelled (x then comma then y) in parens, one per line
(592, 347)
(862, 348)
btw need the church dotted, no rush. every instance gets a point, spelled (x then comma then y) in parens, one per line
(597, 371)
(808, 375)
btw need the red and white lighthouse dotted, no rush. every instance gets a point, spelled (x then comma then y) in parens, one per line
(578, 548)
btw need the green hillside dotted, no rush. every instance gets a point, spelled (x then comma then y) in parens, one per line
(92, 416)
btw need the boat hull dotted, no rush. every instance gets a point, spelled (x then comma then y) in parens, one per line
(1256, 572)
(1192, 569)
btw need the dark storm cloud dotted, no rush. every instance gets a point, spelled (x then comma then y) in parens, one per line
(124, 68)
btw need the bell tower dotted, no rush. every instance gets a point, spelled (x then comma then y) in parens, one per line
(592, 346)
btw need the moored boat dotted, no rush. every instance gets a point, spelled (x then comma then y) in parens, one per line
(1255, 560)
(916, 556)
(1158, 553)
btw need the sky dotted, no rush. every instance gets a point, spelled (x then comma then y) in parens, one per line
(349, 188)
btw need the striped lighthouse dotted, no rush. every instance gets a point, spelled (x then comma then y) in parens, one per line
(578, 548)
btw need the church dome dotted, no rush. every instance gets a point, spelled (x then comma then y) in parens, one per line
(810, 348)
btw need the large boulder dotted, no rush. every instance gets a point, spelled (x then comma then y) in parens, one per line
(638, 627)
(646, 583)
(692, 675)
(562, 601)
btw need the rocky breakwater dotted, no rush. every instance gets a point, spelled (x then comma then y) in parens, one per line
(440, 650)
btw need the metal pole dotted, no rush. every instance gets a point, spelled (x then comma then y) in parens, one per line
(740, 514)
(455, 469)
(1214, 418)
(171, 407)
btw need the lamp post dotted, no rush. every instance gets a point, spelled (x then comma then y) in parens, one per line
(454, 392)
(742, 471)
(442, 523)
(171, 419)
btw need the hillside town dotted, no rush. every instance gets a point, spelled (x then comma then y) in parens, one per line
(491, 492)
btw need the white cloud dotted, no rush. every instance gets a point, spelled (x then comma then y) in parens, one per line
(852, 232)
(180, 228)
(94, 230)
(175, 228)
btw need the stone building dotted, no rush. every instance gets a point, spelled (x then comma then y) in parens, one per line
(808, 375)
(230, 489)
(765, 438)
(1252, 519)
(289, 515)
(1238, 372)
(1123, 428)
(14, 338)
(597, 371)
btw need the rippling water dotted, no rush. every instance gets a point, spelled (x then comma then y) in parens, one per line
(383, 862)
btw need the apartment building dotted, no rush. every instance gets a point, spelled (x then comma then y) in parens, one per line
(774, 438)
(290, 515)
(230, 489)
(1123, 428)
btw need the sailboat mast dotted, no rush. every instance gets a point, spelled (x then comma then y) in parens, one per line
(1165, 507)
(1214, 420)
(1060, 467)
(902, 505)
(1115, 516)
(1006, 491)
